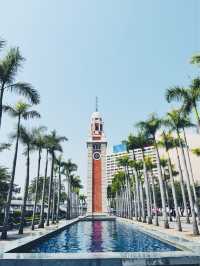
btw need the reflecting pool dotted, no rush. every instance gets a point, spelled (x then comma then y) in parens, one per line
(100, 236)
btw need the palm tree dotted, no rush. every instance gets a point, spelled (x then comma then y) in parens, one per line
(137, 165)
(59, 164)
(82, 199)
(68, 168)
(76, 186)
(151, 127)
(143, 140)
(165, 175)
(168, 142)
(144, 220)
(132, 144)
(26, 137)
(9, 67)
(186, 123)
(189, 97)
(54, 194)
(118, 182)
(124, 162)
(177, 145)
(174, 121)
(54, 145)
(20, 111)
(38, 143)
(4, 185)
(47, 146)
(109, 196)
(150, 166)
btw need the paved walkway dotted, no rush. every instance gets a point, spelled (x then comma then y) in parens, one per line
(186, 233)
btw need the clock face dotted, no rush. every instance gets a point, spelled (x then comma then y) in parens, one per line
(96, 156)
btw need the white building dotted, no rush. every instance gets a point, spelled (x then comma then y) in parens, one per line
(112, 166)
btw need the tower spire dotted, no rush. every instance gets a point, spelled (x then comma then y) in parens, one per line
(96, 104)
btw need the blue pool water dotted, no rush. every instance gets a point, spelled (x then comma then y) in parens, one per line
(100, 236)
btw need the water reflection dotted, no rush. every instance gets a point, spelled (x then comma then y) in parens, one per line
(96, 237)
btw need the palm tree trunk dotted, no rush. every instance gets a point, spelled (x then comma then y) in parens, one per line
(54, 202)
(9, 197)
(41, 223)
(116, 204)
(21, 227)
(130, 201)
(137, 192)
(50, 188)
(138, 196)
(146, 182)
(125, 202)
(154, 198)
(194, 222)
(59, 192)
(182, 188)
(150, 197)
(69, 199)
(121, 204)
(179, 227)
(126, 194)
(197, 117)
(192, 177)
(36, 188)
(142, 203)
(135, 206)
(162, 191)
(167, 196)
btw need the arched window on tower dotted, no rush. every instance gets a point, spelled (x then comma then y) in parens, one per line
(96, 127)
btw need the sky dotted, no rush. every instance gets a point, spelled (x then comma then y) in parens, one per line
(125, 52)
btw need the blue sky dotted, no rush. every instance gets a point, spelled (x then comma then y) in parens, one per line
(126, 52)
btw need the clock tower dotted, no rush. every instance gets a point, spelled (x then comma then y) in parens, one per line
(96, 180)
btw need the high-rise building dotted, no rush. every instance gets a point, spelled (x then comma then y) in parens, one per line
(96, 180)
(112, 166)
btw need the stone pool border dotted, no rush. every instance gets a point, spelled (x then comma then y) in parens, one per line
(189, 256)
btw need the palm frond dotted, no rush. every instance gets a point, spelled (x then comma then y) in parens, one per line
(39, 130)
(10, 110)
(10, 65)
(27, 90)
(141, 125)
(175, 93)
(31, 114)
(25, 135)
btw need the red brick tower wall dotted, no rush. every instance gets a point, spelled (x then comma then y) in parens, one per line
(96, 187)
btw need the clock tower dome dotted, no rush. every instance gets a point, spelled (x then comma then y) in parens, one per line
(96, 180)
